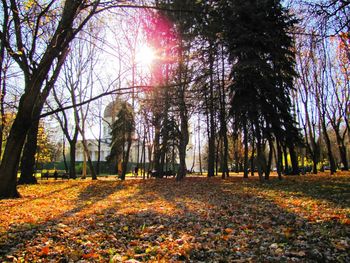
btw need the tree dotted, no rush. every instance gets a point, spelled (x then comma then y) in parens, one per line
(331, 21)
(163, 36)
(44, 152)
(70, 133)
(335, 15)
(39, 48)
(28, 155)
(122, 131)
(261, 53)
(208, 33)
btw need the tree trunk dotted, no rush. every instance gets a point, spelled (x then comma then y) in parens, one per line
(211, 148)
(279, 160)
(260, 158)
(53, 56)
(236, 153)
(157, 151)
(184, 138)
(89, 162)
(314, 165)
(72, 148)
(245, 134)
(342, 150)
(3, 71)
(12, 153)
(286, 164)
(143, 157)
(199, 147)
(293, 159)
(182, 170)
(126, 158)
(217, 148)
(2, 100)
(313, 147)
(329, 146)
(184, 135)
(28, 156)
(252, 168)
(64, 155)
(98, 164)
(211, 123)
(269, 162)
(92, 168)
(223, 130)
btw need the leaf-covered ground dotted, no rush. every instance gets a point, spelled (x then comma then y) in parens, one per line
(299, 219)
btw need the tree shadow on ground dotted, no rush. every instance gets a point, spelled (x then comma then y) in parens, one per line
(92, 193)
(333, 189)
(28, 199)
(195, 221)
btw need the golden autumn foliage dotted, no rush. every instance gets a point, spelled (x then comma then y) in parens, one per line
(299, 219)
(6, 122)
(45, 148)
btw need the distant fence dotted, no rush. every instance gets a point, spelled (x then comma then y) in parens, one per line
(105, 167)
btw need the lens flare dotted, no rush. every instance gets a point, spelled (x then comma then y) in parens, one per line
(146, 56)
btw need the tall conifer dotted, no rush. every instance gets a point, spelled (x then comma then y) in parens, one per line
(261, 50)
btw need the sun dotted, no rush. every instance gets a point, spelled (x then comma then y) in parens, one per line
(146, 56)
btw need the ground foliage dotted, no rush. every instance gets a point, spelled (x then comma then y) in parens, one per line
(304, 218)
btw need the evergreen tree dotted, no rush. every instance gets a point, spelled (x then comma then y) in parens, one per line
(122, 130)
(260, 49)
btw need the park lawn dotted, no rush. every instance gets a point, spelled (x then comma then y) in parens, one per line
(302, 218)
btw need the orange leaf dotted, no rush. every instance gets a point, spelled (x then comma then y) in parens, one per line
(346, 221)
(224, 237)
(90, 255)
(228, 230)
(45, 251)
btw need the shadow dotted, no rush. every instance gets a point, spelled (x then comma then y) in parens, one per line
(28, 199)
(333, 189)
(197, 220)
(20, 233)
(100, 190)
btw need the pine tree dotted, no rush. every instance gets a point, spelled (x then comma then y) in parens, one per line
(260, 48)
(122, 130)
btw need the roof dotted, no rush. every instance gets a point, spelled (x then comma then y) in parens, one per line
(112, 109)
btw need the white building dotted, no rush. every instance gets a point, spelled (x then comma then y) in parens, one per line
(109, 117)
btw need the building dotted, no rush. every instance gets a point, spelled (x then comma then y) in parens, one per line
(109, 116)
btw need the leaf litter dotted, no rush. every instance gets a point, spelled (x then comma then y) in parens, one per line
(298, 219)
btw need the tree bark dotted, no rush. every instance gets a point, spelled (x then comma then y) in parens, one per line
(286, 164)
(252, 168)
(279, 160)
(269, 162)
(28, 156)
(211, 123)
(11, 157)
(293, 159)
(341, 147)
(126, 158)
(156, 143)
(328, 145)
(245, 135)
(34, 77)
(199, 147)
(223, 122)
(184, 138)
(72, 148)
